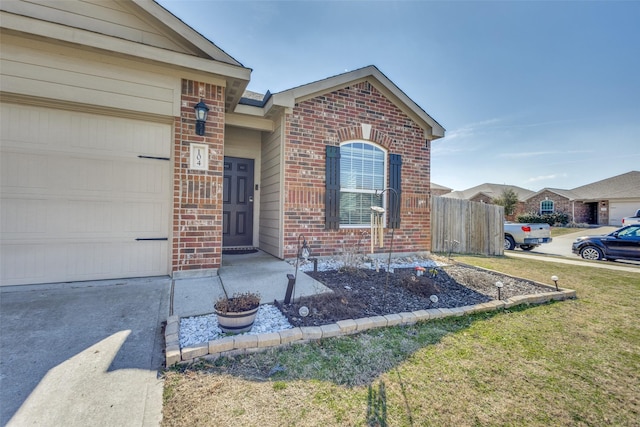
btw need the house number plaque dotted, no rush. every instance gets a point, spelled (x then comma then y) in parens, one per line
(199, 157)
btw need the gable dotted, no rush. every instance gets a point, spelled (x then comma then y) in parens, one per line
(144, 22)
(371, 75)
(139, 33)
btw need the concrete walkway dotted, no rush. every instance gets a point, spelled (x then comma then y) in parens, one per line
(257, 272)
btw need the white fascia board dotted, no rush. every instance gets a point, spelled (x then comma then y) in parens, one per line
(185, 31)
(98, 41)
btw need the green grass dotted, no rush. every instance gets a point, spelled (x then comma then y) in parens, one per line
(574, 362)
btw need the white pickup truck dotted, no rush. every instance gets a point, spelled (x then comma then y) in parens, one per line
(526, 236)
(631, 219)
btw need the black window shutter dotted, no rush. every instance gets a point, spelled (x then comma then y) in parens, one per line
(332, 194)
(395, 177)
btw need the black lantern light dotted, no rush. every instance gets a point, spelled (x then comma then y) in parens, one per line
(201, 116)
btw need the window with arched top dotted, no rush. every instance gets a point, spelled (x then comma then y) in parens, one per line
(355, 170)
(363, 167)
(546, 207)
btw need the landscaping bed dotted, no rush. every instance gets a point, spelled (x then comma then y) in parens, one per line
(359, 293)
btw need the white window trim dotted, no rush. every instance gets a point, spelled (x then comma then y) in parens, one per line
(546, 211)
(385, 180)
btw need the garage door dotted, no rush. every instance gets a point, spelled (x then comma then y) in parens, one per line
(83, 196)
(619, 210)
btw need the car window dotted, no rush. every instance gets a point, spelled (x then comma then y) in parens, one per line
(630, 232)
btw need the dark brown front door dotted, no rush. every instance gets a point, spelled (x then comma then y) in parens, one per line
(237, 209)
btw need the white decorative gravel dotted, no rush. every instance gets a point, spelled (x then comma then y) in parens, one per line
(404, 262)
(202, 329)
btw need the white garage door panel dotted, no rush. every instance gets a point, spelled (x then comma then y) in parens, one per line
(26, 220)
(619, 210)
(69, 132)
(59, 262)
(76, 196)
(133, 177)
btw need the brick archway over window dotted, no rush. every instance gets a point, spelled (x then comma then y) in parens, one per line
(365, 132)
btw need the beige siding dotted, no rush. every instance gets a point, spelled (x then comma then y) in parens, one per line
(75, 196)
(105, 17)
(271, 202)
(35, 69)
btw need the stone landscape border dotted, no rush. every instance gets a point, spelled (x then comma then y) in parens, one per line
(244, 344)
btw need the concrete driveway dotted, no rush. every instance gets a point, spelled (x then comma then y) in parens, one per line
(79, 354)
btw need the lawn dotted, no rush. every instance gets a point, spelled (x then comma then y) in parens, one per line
(574, 362)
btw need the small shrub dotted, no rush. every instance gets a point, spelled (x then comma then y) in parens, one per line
(553, 219)
(238, 302)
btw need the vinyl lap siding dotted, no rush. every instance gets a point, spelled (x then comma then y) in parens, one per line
(271, 193)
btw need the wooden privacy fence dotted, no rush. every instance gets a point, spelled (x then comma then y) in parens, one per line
(461, 226)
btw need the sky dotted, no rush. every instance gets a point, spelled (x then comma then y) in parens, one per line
(537, 94)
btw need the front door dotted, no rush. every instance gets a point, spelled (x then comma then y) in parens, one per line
(237, 209)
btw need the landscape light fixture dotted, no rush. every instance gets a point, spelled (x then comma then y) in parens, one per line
(201, 116)
(555, 280)
(499, 285)
(433, 299)
(304, 251)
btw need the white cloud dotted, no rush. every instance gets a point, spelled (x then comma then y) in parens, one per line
(546, 177)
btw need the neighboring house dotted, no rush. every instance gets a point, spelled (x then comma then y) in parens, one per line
(439, 190)
(487, 193)
(105, 176)
(603, 202)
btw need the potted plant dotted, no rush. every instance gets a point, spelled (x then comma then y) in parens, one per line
(237, 314)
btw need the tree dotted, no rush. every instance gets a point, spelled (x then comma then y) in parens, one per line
(509, 200)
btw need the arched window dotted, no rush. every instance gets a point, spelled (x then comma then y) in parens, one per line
(546, 207)
(363, 168)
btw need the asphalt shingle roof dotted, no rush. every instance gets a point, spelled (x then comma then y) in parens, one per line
(490, 190)
(623, 186)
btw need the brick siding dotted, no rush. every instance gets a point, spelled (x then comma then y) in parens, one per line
(333, 118)
(197, 195)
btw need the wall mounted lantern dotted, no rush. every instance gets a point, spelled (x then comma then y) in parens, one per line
(201, 116)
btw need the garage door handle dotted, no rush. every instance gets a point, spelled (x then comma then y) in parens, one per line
(151, 238)
(154, 158)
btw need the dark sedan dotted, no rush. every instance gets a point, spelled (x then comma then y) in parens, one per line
(623, 243)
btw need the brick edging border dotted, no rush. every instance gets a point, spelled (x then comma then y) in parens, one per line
(245, 344)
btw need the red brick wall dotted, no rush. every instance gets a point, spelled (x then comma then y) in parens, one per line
(329, 120)
(197, 195)
(560, 203)
(582, 212)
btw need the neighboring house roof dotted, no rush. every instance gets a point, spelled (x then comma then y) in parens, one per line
(439, 187)
(490, 190)
(567, 194)
(371, 74)
(623, 186)
(139, 29)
